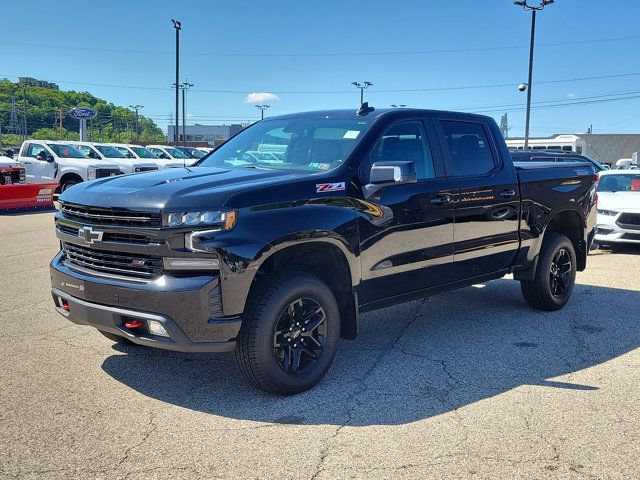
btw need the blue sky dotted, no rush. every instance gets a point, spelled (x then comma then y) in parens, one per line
(298, 49)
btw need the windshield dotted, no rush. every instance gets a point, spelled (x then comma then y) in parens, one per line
(65, 151)
(143, 152)
(175, 153)
(294, 144)
(109, 152)
(125, 152)
(628, 182)
(192, 152)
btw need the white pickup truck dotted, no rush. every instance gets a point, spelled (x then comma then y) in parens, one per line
(171, 153)
(106, 152)
(47, 161)
(138, 151)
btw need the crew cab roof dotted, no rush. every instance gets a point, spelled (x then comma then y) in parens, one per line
(390, 112)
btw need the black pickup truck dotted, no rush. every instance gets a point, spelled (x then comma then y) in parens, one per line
(274, 243)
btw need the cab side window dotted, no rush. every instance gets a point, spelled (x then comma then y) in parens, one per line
(34, 149)
(84, 150)
(404, 142)
(468, 147)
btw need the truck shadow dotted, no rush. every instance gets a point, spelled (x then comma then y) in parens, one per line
(412, 361)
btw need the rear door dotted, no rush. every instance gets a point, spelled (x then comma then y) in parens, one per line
(487, 200)
(408, 246)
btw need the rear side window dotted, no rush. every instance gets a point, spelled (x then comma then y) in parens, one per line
(404, 142)
(468, 147)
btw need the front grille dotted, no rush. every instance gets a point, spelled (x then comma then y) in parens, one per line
(116, 237)
(106, 262)
(145, 169)
(629, 221)
(107, 172)
(104, 216)
(631, 236)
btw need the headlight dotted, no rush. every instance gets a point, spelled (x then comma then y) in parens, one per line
(91, 173)
(607, 212)
(225, 220)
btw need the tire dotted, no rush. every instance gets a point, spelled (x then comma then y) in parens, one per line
(274, 350)
(555, 275)
(117, 338)
(68, 184)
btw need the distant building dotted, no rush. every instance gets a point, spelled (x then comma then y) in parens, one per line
(212, 134)
(606, 147)
(34, 82)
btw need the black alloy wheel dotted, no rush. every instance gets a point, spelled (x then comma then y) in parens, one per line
(560, 273)
(300, 335)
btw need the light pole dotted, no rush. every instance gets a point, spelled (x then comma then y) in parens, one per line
(533, 10)
(185, 86)
(136, 108)
(362, 87)
(401, 105)
(178, 26)
(262, 108)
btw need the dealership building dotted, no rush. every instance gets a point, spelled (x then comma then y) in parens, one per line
(211, 134)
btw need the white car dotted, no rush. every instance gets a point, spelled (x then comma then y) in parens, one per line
(167, 152)
(48, 161)
(143, 153)
(104, 151)
(618, 207)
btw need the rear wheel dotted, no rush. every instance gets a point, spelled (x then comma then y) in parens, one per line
(555, 275)
(289, 333)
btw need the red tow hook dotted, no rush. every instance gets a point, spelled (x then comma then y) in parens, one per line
(133, 324)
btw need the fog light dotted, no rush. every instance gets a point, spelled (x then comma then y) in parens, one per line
(191, 263)
(156, 328)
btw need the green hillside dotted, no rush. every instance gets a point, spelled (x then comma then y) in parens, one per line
(44, 108)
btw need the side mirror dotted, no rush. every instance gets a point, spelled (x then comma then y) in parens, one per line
(44, 156)
(387, 173)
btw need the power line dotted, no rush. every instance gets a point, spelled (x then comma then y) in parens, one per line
(321, 54)
(331, 92)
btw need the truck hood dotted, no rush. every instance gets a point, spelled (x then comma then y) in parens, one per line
(619, 201)
(174, 189)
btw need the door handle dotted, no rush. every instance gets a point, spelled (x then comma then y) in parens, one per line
(441, 199)
(508, 192)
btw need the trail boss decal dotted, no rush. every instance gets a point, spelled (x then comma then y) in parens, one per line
(329, 187)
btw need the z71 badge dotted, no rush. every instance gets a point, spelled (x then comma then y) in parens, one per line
(329, 187)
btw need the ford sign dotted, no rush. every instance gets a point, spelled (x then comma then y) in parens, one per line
(82, 113)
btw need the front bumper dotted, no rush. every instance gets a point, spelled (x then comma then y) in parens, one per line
(609, 230)
(183, 305)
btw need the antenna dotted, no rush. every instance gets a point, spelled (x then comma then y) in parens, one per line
(364, 109)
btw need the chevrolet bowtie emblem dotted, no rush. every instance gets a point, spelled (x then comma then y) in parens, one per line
(89, 235)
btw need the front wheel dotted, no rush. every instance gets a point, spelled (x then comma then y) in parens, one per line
(555, 275)
(289, 333)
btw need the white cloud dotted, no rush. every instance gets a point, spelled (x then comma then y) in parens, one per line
(259, 97)
(572, 95)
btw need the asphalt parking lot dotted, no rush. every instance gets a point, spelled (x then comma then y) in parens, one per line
(465, 384)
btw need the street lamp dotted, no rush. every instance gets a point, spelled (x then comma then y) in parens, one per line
(185, 86)
(362, 87)
(136, 108)
(401, 105)
(533, 10)
(262, 108)
(178, 26)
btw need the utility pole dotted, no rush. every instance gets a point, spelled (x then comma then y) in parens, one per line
(136, 108)
(362, 87)
(178, 26)
(262, 108)
(533, 10)
(24, 112)
(185, 86)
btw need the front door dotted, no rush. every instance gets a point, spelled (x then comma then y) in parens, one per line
(36, 170)
(487, 199)
(408, 246)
